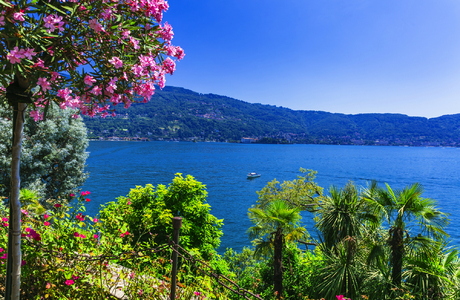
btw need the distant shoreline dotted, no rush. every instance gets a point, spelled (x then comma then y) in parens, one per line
(237, 142)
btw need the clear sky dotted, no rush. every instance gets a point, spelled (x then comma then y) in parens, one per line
(345, 56)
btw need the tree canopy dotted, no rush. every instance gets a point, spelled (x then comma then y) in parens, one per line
(53, 154)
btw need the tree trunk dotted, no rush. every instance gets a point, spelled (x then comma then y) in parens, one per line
(18, 95)
(397, 252)
(278, 264)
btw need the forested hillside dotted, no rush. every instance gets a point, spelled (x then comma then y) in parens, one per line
(181, 114)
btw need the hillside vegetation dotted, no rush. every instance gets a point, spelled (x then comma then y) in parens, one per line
(181, 114)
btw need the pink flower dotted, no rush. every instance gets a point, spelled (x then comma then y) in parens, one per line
(69, 282)
(46, 223)
(32, 233)
(19, 16)
(57, 205)
(72, 195)
(1, 250)
(46, 216)
(64, 94)
(166, 32)
(197, 293)
(340, 297)
(80, 217)
(95, 220)
(45, 85)
(5, 219)
(40, 63)
(94, 25)
(88, 200)
(76, 234)
(169, 66)
(179, 53)
(29, 53)
(4, 256)
(36, 114)
(118, 63)
(82, 236)
(95, 236)
(24, 211)
(89, 80)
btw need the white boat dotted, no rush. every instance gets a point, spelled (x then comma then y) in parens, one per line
(253, 175)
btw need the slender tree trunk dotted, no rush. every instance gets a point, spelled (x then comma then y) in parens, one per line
(19, 95)
(397, 252)
(278, 264)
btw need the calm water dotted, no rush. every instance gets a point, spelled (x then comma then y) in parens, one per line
(116, 167)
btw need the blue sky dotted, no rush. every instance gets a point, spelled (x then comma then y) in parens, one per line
(340, 56)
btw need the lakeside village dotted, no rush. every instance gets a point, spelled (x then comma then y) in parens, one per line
(291, 138)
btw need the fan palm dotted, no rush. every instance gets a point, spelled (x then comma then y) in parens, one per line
(342, 216)
(273, 225)
(399, 208)
(432, 269)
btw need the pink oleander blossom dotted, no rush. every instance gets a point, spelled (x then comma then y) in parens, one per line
(94, 25)
(166, 33)
(36, 114)
(89, 80)
(44, 84)
(116, 62)
(19, 16)
(169, 66)
(47, 223)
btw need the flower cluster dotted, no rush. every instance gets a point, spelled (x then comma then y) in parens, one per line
(123, 46)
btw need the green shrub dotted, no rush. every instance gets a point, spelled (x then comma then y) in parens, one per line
(148, 212)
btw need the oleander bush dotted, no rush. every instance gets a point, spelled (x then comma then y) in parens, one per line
(70, 255)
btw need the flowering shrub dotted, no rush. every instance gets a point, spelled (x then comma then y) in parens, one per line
(124, 46)
(70, 255)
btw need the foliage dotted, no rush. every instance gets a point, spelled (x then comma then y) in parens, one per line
(278, 218)
(53, 154)
(148, 212)
(302, 192)
(399, 207)
(123, 46)
(69, 255)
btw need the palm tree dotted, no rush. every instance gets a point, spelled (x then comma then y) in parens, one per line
(273, 225)
(342, 219)
(432, 269)
(399, 208)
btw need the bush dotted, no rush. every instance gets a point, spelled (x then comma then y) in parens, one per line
(148, 212)
(69, 255)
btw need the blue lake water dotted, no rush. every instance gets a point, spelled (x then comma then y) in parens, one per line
(116, 167)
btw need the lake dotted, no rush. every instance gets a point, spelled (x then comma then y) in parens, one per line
(116, 167)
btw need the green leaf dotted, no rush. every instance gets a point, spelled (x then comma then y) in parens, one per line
(55, 8)
(7, 4)
(71, 9)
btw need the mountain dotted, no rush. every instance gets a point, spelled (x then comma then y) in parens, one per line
(181, 114)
